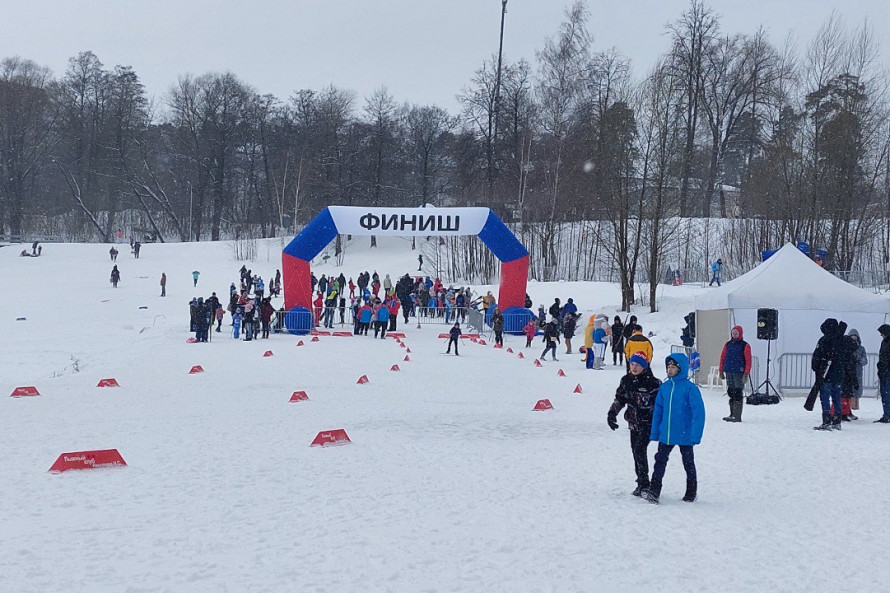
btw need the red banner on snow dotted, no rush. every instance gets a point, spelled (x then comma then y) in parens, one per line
(24, 391)
(331, 437)
(343, 334)
(542, 405)
(87, 460)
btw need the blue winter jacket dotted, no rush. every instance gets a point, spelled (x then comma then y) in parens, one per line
(679, 414)
(383, 314)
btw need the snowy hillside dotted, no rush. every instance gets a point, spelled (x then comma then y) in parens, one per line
(451, 483)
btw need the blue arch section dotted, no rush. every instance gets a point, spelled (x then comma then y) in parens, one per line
(313, 238)
(500, 240)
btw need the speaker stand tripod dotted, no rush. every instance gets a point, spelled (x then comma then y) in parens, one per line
(769, 386)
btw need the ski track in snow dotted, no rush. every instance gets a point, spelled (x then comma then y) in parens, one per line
(451, 482)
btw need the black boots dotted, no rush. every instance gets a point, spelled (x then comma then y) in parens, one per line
(836, 422)
(640, 489)
(735, 406)
(653, 491)
(826, 422)
(691, 491)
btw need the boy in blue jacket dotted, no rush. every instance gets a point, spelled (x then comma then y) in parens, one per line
(678, 419)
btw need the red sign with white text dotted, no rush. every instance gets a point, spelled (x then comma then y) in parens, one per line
(88, 460)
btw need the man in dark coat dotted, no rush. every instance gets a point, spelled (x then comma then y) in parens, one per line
(831, 360)
(637, 391)
(884, 372)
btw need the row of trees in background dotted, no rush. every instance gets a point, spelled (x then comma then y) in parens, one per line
(723, 125)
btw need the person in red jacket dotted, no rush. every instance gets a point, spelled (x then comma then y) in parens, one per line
(318, 307)
(394, 307)
(735, 366)
(530, 329)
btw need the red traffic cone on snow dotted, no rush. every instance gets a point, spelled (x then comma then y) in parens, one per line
(537, 362)
(394, 367)
(300, 343)
(196, 369)
(542, 405)
(406, 359)
(560, 373)
(521, 355)
(362, 380)
(578, 389)
(510, 350)
(314, 339)
(267, 354)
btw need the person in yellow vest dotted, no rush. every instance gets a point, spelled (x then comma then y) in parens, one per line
(637, 342)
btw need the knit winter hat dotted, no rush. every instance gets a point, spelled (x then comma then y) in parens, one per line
(640, 359)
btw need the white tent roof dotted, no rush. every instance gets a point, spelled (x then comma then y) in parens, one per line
(790, 280)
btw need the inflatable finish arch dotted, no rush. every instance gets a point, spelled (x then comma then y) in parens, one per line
(401, 222)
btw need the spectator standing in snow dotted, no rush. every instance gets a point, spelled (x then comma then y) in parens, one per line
(497, 324)
(617, 342)
(637, 390)
(136, 247)
(113, 253)
(551, 338)
(884, 372)
(323, 285)
(195, 275)
(220, 312)
(266, 312)
(735, 366)
(115, 276)
(381, 314)
(850, 401)
(569, 324)
(678, 419)
(163, 284)
(420, 261)
(716, 268)
(830, 361)
(453, 337)
(637, 342)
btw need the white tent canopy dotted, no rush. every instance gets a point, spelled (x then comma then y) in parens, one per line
(804, 294)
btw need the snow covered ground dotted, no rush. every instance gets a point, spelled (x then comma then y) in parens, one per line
(451, 482)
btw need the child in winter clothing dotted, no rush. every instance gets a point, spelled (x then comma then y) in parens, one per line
(551, 338)
(453, 337)
(530, 329)
(637, 390)
(236, 323)
(677, 419)
(735, 366)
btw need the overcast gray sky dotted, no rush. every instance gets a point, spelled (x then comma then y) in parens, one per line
(424, 51)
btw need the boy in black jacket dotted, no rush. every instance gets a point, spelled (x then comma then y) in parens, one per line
(454, 336)
(637, 390)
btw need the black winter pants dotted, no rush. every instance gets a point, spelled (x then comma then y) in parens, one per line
(639, 443)
(661, 459)
(452, 340)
